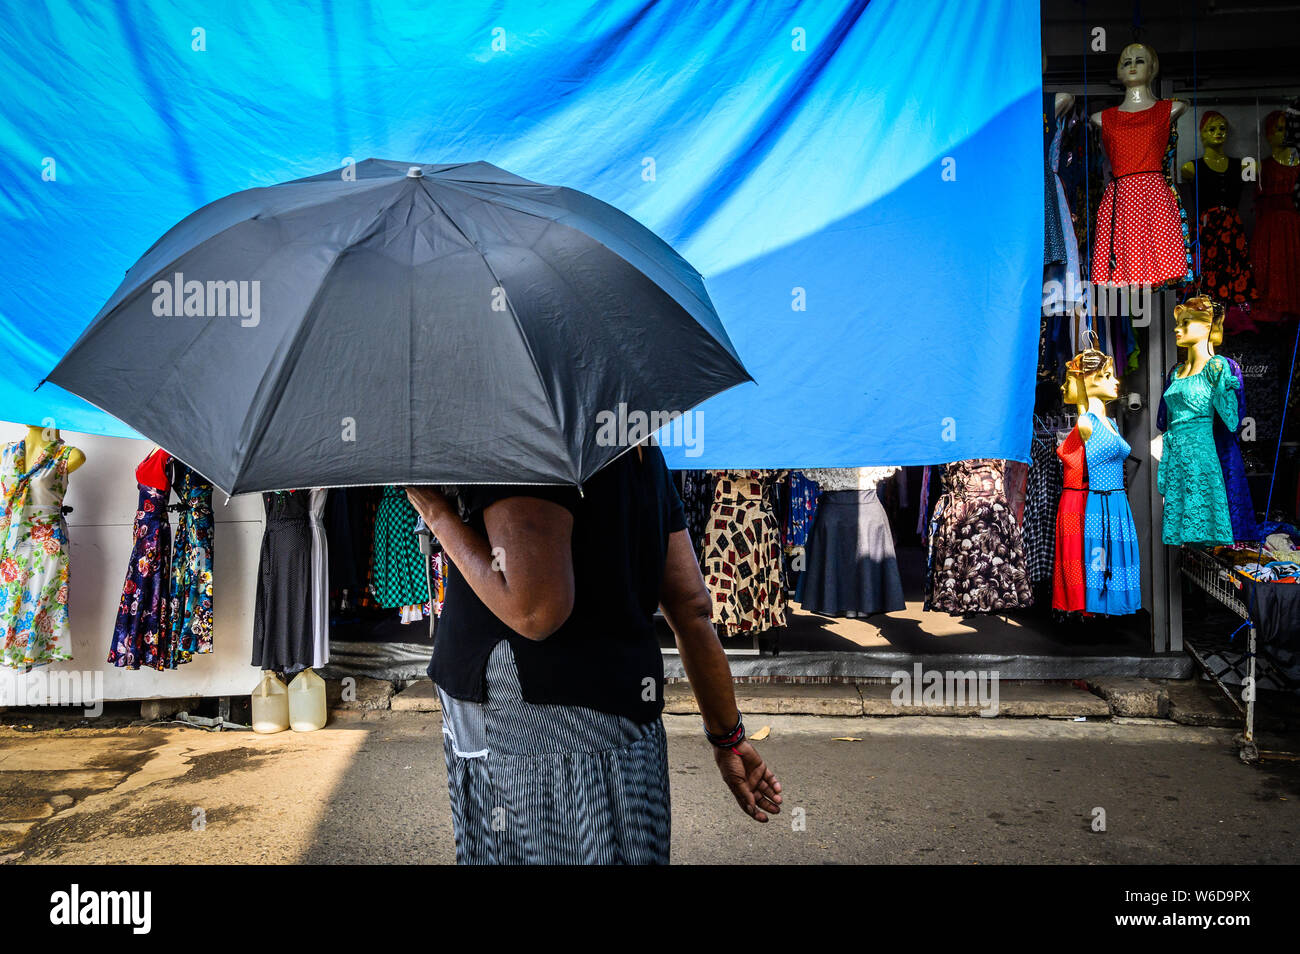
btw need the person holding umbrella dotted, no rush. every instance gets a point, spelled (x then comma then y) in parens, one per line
(551, 676)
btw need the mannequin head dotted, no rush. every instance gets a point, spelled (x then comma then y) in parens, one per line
(1275, 128)
(1214, 130)
(1090, 374)
(1195, 322)
(1138, 65)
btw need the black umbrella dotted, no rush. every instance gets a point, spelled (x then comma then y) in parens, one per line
(403, 324)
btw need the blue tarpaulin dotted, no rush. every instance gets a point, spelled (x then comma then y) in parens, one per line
(859, 183)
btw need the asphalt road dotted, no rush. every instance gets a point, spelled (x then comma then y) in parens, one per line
(946, 790)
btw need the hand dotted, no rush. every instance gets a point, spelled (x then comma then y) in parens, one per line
(750, 780)
(429, 503)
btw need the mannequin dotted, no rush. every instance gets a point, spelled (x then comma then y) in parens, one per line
(34, 549)
(1213, 185)
(1190, 476)
(1140, 235)
(1275, 246)
(1110, 556)
(142, 629)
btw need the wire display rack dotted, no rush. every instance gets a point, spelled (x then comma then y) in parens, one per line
(1225, 585)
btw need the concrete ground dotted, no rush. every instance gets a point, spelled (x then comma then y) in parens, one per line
(370, 788)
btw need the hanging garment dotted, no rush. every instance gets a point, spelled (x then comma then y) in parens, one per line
(803, 509)
(1140, 237)
(851, 567)
(1226, 275)
(1042, 494)
(320, 583)
(1111, 559)
(401, 576)
(697, 500)
(1069, 589)
(34, 556)
(190, 604)
(1063, 288)
(742, 555)
(142, 633)
(977, 551)
(1190, 477)
(283, 636)
(1241, 508)
(1275, 247)
(1054, 230)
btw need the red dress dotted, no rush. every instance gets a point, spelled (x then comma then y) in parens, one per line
(1069, 582)
(1275, 248)
(1144, 230)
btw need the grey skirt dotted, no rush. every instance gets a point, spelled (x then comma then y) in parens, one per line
(550, 784)
(851, 567)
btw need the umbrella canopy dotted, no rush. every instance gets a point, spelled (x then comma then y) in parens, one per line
(396, 323)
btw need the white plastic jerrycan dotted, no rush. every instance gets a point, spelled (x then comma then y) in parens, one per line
(270, 704)
(306, 702)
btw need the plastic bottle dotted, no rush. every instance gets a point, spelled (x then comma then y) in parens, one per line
(306, 702)
(270, 704)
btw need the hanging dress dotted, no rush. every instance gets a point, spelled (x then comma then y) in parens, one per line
(283, 636)
(320, 583)
(190, 604)
(697, 499)
(34, 556)
(401, 574)
(1140, 237)
(141, 633)
(1226, 275)
(1069, 590)
(1241, 507)
(1275, 246)
(742, 555)
(977, 561)
(1042, 494)
(851, 567)
(1189, 476)
(1111, 558)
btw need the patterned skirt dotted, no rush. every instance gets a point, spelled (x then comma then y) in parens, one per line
(141, 634)
(551, 784)
(191, 574)
(401, 571)
(1226, 274)
(977, 557)
(1143, 228)
(742, 563)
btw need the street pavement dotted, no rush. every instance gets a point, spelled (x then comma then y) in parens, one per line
(370, 788)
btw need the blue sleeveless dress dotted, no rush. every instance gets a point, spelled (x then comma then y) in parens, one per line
(1112, 562)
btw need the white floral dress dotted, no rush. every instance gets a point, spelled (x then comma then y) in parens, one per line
(33, 557)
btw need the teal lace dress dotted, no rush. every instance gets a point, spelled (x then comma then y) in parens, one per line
(1190, 477)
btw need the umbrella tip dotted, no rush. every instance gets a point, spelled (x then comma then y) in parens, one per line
(415, 172)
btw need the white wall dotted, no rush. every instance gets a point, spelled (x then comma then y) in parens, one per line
(103, 494)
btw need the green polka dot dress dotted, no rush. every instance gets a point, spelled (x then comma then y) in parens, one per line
(400, 569)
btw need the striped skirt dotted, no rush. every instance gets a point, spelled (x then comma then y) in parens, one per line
(550, 784)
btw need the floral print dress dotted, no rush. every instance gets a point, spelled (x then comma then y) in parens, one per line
(141, 633)
(34, 556)
(190, 593)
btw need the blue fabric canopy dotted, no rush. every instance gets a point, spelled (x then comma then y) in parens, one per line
(859, 183)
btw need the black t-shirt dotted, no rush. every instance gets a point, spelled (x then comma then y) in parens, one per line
(605, 656)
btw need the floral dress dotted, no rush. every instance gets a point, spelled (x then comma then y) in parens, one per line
(1190, 476)
(34, 556)
(141, 634)
(190, 595)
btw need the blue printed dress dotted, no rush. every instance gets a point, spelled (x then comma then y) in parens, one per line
(1111, 559)
(1190, 475)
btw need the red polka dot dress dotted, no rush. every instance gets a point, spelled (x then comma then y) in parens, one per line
(1140, 235)
(1069, 583)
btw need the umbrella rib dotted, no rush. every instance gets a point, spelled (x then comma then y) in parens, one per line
(550, 403)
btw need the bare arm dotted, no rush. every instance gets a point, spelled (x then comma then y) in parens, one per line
(522, 570)
(685, 602)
